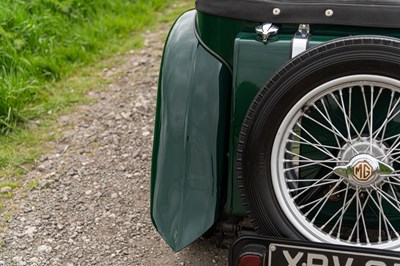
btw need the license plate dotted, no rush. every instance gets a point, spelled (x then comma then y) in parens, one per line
(296, 255)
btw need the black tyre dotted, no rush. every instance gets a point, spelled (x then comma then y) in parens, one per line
(319, 149)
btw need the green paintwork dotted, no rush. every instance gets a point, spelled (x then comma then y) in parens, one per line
(254, 64)
(200, 109)
(219, 33)
(189, 153)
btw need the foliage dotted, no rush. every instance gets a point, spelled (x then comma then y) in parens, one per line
(43, 40)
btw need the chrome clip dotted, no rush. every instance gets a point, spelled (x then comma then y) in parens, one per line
(300, 39)
(266, 32)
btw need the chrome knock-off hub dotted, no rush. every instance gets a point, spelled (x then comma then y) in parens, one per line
(364, 170)
(364, 167)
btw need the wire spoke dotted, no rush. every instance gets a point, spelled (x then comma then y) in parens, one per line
(395, 160)
(369, 116)
(351, 123)
(356, 224)
(333, 129)
(392, 183)
(372, 105)
(323, 199)
(319, 145)
(341, 210)
(345, 114)
(317, 201)
(307, 180)
(308, 133)
(322, 150)
(387, 119)
(387, 115)
(386, 196)
(363, 219)
(395, 178)
(391, 137)
(342, 215)
(313, 185)
(312, 162)
(320, 180)
(392, 148)
(387, 222)
(327, 196)
(330, 121)
(394, 195)
(307, 165)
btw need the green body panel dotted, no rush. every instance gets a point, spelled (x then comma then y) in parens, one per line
(200, 109)
(189, 153)
(254, 64)
(219, 33)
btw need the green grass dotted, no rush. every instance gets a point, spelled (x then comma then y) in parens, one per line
(42, 41)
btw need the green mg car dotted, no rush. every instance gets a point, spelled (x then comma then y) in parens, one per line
(285, 115)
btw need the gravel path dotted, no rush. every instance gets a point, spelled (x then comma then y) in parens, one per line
(92, 205)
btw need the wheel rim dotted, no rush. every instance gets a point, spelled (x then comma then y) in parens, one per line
(336, 162)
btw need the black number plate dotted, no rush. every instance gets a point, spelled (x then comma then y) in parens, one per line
(296, 255)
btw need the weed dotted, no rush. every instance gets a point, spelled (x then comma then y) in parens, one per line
(7, 216)
(32, 184)
(9, 184)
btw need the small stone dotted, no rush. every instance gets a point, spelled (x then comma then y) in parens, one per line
(5, 190)
(34, 260)
(114, 195)
(17, 259)
(88, 192)
(138, 226)
(126, 116)
(30, 231)
(145, 134)
(44, 248)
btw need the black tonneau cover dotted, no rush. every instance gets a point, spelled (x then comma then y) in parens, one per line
(381, 13)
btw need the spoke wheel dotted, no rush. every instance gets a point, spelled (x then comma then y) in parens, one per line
(319, 151)
(333, 165)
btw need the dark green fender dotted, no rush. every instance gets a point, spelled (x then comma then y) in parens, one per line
(190, 140)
